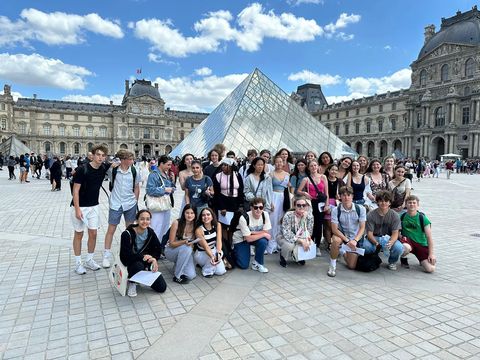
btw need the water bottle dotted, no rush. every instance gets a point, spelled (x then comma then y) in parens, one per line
(384, 243)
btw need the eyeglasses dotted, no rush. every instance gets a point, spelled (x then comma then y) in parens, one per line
(257, 207)
(301, 205)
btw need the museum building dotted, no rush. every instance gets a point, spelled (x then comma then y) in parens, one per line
(439, 113)
(141, 123)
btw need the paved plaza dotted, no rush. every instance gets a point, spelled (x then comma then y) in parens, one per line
(47, 311)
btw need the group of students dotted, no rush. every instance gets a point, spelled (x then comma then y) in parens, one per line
(231, 211)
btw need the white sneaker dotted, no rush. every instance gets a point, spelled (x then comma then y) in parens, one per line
(80, 269)
(331, 271)
(319, 253)
(92, 265)
(106, 261)
(392, 267)
(258, 267)
(132, 289)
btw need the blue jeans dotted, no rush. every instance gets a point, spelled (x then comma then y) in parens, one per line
(395, 252)
(242, 252)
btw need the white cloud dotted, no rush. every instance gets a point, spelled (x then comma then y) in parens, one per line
(387, 47)
(359, 87)
(315, 78)
(156, 58)
(204, 71)
(55, 28)
(331, 30)
(248, 31)
(95, 99)
(299, 2)
(41, 71)
(197, 95)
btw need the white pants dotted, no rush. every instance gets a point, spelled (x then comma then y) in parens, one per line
(202, 259)
(275, 218)
(160, 223)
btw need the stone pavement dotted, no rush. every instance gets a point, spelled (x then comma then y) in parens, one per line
(47, 311)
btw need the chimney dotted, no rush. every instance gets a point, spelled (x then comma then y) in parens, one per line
(429, 32)
(6, 89)
(111, 102)
(156, 86)
(34, 96)
(127, 86)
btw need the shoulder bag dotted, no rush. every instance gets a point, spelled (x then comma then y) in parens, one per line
(158, 203)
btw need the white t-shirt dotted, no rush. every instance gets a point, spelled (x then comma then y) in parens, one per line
(254, 225)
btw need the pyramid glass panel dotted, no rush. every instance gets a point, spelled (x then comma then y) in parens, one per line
(259, 115)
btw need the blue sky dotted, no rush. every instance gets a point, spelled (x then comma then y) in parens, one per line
(198, 51)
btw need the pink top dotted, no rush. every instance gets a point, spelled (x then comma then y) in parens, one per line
(224, 181)
(311, 189)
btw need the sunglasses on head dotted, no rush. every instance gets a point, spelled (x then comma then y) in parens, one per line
(301, 205)
(257, 207)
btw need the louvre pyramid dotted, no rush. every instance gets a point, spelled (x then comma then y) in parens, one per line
(259, 115)
(13, 146)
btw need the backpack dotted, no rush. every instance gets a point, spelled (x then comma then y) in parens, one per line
(247, 218)
(421, 217)
(114, 175)
(368, 262)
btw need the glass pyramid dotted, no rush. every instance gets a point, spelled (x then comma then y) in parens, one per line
(13, 146)
(259, 115)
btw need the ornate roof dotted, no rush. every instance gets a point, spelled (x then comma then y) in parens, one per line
(144, 87)
(66, 105)
(462, 29)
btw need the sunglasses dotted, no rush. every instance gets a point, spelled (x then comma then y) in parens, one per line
(259, 207)
(301, 205)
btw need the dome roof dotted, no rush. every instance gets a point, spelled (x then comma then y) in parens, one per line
(463, 29)
(144, 87)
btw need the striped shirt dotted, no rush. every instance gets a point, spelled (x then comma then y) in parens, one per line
(211, 238)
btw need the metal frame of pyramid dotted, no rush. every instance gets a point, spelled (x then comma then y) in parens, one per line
(13, 146)
(260, 115)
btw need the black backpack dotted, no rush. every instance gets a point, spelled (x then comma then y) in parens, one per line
(114, 175)
(369, 262)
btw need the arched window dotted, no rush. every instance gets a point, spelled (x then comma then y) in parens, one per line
(444, 73)
(89, 146)
(469, 67)
(62, 148)
(76, 148)
(123, 146)
(423, 78)
(48, 147)
(439, 116)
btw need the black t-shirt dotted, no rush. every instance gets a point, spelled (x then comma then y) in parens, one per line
(90, 183)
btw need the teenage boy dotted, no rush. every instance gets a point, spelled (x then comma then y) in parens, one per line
(123, 199)
(85, 212)
(348, 227)
(253, 229)
(417, 236)
(251, 154)
(383, 229)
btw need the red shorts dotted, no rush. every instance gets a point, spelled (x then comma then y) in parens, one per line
(420, 251)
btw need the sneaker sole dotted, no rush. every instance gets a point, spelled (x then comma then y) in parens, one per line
(83, 273)
(89, 268)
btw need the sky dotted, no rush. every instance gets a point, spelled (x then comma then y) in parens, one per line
(199, 51)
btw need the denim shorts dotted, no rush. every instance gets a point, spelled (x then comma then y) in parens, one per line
(114, 216)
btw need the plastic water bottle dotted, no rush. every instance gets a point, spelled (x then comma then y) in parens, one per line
(386, 251)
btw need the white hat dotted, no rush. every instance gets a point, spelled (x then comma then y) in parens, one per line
(228, 161)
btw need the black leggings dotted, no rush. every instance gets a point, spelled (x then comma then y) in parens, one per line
(11, 172)
(159, 285)
(317, 223)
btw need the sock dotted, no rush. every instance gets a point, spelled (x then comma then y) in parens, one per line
(90, 256)
(333, 263)
(78, 259)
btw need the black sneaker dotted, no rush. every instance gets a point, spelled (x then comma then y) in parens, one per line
(283, 262)
(180, 281)
(404, 263)
(301, 262)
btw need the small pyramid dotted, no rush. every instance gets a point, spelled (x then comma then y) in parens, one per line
(13, 146)
(259, 115)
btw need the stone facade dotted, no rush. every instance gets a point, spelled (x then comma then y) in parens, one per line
(439, 113)
(141, 123)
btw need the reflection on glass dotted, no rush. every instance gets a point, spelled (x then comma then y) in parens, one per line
(258, 114)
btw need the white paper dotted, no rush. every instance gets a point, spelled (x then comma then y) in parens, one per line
(358, 250)
(307, 255)
(145, 277)
(225, 219)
